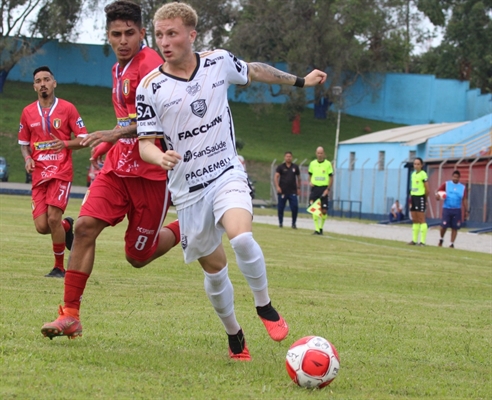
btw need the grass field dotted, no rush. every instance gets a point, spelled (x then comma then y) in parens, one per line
(408, 323)
(266, 134)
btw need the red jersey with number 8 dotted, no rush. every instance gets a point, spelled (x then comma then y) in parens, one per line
(124, 157)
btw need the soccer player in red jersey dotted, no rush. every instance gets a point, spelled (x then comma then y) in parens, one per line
(126, 186)
(45, 137)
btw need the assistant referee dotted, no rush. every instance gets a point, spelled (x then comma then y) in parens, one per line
(321, 181)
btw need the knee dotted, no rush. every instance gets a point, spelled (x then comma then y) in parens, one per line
(86, 230)
(243, 243)
(136, 263)
(42, 229)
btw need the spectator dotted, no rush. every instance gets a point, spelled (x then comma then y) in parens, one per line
(456, 199)
(288, 184)
(321, 173)
(396, 212)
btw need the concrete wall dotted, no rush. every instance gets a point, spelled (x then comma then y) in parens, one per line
(401, 98)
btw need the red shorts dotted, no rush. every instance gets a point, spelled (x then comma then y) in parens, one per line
(110, 198)
(54, 192)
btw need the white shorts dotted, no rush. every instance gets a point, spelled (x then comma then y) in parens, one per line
(201, 231)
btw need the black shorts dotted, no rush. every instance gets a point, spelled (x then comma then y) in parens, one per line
(317, 193)
(418, 203)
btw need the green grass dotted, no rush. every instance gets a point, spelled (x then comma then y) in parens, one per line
(409, 323)
(266, 134)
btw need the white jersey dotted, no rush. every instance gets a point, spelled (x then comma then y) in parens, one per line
(194, 119)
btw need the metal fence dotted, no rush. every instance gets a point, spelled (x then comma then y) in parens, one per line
(369, 192)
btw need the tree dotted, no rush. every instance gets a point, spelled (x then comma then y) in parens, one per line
(465, 52)
(44, 20)
(348, 38)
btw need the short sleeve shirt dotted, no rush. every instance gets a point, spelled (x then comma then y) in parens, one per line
(124, 157)
(320, 172)
(194, 118)
(288, 178)
(418, 183)
(37, 124)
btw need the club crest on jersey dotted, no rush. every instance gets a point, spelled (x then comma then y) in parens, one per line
(126, 87)
(184, 241)
(57, 123)
(199, 107)
(192, 90)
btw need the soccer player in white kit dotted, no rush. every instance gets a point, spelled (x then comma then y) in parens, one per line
(184, 102)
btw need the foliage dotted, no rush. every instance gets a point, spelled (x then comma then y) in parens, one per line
(28, 24)
(466, 49)
(409, 323)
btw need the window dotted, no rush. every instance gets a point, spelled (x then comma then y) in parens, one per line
(411, 155)
(381, 160)
(352, 161)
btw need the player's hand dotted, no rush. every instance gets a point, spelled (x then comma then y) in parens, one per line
(98, 137)
(169, 160)
(57, 145)
(29, 165)
(315, 77)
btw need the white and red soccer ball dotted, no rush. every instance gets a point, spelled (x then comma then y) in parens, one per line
(442, 194)
(312, 362)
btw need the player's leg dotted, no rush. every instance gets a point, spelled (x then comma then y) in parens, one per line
(234, 212)
(202, 241)
(105, 204)
(281, 201)
(146, 239)
(414, 211)
(455, 225)
(324, 211)
(316, 192)
(423, 223)
(294, 207)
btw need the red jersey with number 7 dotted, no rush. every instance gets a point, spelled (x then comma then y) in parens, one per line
(124, 157)
(37, 124)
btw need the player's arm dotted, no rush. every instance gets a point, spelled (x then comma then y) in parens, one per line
(153, 155)
(441, 188)
(276, 179)
(58, 144)
(465, 204)
(26, 153)
(260, 72)
(298, 177)
(110, 136)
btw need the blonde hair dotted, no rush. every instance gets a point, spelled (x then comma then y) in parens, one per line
(177, 10)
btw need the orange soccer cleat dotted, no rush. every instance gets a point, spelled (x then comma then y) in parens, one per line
(237, 347)
(67, 324)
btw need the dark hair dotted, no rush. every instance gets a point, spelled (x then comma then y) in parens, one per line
(418, 158)
(123, 10)
(43, 68)
(288, 152)
(457, 173)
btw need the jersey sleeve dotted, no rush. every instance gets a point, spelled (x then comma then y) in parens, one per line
(330, 169)
(24, 135)
(424, 177)
(76, 123)
(148, 125)
(237, 70)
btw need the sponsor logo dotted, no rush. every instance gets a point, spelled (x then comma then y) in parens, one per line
(35, 124)
(201, 129)
(140, 97)
(157, 86)
(144, 112)
(184, 241)
(192, 90)
(80, 122)
(207, 151)
(126, 87)
(122, 122)
(209, 169)
(145, 231)
(209, 62)
(172, 103)
(217, 84)
(47, 157)
(50, 170)
(57, 123)
(239, 66)
(43, 145)
(199, 108)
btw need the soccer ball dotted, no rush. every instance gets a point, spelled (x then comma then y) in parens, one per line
(312, 362)
(442, 194)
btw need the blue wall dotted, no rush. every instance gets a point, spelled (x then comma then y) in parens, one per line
(401, 98)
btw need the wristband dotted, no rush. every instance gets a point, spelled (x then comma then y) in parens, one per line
(26, 158)
(299, 82)
(65, 142)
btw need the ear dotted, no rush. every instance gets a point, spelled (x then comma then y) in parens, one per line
(54, 84)
(192, 36)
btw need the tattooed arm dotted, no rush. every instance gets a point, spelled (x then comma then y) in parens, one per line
(265, 73)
